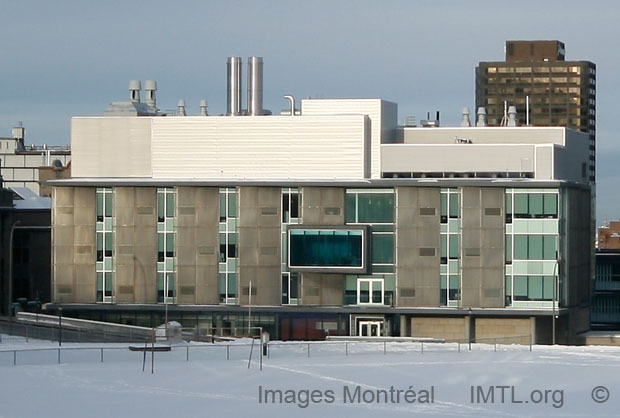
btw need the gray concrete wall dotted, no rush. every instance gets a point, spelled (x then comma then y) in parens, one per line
(74, 249)
(482, 247)
(259, 245)
(136, 245)
(197, 245)
(417, 274)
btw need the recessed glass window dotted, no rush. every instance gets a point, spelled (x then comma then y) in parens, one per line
(326, 248)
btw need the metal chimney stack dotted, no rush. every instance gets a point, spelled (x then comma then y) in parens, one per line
(150, 87)
(255, 86)
(233, 92)
(134, 91)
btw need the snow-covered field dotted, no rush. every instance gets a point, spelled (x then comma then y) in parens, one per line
(548, 381)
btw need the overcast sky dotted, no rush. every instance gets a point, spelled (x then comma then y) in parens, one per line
(69, 58)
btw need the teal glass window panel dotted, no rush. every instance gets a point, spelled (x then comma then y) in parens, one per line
(443, 228)
(108, 263)
(444, 281)
(444, 248)
(232, 224)
(108, 224)
(169, 245)
(454, 225)
(444, 205)
(453, 265)
(520, 249)
(170, 205)
(170, 264)
(109, 244)
(508, 248)
(232, 205)
(535, 287)
(520, 287)
(548, 287)
(170, 279)
(508, 289)
(108, 283)
(388, 282)
(99, 206)
(535, 247)
(222, 206)
(364, 291)
(550, 204)
(350, 283)
(536, 205)
(508, 203)
(382, 268)
(377, 292)
(443, 268)
(325, 249)
(161, 214)
(231, 264)
(350, 208)
(109, 204)
(549, 247)
(99, 287)
(375, 207)
(454, 288)
(521, 204)
(454, 246)
(232, 285)
(454, 205)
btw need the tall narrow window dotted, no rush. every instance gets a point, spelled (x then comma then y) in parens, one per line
(228, 253)
(291, 215)
(105, 257)
(450, 247)
(166, 249)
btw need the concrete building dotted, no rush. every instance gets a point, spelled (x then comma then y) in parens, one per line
(545, 89)
(328, 219)
(29, 166)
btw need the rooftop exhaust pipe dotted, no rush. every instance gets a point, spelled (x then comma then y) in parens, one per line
(203, 107)
(465, 115)
(482, 117)
(255, 86)
(233, 91)
(291, 99)
(134, 91)
(150, 87)
(181, 108)
(512, 116)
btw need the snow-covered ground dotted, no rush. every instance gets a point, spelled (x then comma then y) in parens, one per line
(548, 381)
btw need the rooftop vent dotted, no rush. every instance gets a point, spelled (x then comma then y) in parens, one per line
(465, 116)
(482, 117)
(150, 87)
(134, 91)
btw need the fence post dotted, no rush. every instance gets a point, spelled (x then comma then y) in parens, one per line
(459, 346)
(384, 347)
(102, 355)
(495, 344)
(59, 356)
(187, 354)
(469, 344)
(346, 348)
(422, 347)
(14, 357)
(227, 352)
(308, 350)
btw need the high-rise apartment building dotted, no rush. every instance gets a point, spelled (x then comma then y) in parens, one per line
(546, 89)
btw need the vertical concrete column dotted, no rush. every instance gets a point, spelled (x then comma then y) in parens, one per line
(84, 244)
(418, 246)
(482, 247)
(197, 240)
(259, 245)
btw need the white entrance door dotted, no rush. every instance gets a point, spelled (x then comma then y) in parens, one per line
(370, 328)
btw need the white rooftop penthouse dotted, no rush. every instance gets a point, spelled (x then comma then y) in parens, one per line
(540, 153)
(330, 139)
